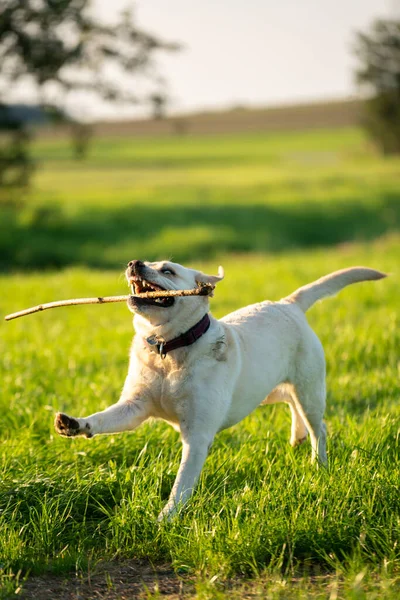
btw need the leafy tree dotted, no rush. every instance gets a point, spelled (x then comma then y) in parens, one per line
(60, 47)
(378, 52)
(15, 163)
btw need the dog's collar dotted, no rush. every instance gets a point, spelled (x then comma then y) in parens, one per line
(185, 339)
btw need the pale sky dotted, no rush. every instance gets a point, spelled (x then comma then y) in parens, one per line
(257, 52)
(247, 52)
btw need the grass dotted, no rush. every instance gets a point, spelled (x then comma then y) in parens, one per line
(261, 510)
(259, 503)
(199, 197)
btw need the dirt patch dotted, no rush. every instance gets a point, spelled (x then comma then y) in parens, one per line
(126, 580)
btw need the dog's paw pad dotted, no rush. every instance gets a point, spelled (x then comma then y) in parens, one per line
(65, 425)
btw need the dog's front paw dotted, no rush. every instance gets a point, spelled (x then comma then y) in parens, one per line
(70, 427)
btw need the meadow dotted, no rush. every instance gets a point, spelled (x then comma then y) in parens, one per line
(277, 211)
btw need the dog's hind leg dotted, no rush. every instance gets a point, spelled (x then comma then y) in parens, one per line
(284, 393)
(309, 401)
(308, 391)
(299, 430)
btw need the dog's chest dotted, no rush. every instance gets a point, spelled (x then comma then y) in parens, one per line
(171, 402)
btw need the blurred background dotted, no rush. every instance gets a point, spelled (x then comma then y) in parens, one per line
(191, 130)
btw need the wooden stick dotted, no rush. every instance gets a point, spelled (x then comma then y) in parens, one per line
(204, 289)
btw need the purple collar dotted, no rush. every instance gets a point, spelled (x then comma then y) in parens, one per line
(185, 339)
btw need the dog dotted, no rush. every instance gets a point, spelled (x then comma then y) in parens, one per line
(203, 375)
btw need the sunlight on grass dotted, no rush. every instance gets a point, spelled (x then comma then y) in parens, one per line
(277, 212)
(259, 502)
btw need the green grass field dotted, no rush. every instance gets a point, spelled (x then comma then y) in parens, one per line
(277, 211)
(195, 198)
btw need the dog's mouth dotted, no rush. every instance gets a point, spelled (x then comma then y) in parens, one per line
(141, 286)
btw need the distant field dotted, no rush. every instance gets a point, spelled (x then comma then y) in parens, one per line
(197, 197)
(316, 115)
(77, 517)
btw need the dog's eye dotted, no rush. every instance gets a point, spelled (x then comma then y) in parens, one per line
(167, 271)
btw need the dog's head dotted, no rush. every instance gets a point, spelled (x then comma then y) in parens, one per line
(166, 275)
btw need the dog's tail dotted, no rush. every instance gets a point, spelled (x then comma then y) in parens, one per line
(330, 285)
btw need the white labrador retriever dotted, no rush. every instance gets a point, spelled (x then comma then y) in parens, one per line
(203, 375)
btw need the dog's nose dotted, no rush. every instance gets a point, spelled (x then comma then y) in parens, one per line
(135, 265)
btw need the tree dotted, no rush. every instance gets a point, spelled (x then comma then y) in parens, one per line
(15, 163)
(159, 103)
(60, 48)
(378, 52)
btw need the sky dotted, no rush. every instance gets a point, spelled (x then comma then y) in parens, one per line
(255, 52)
(247, 52)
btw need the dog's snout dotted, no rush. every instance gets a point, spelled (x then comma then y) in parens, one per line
(135, 265)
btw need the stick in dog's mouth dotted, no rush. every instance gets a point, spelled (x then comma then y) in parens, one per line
(203, 289)
(145, 289)
(143, 286)
(146, 292)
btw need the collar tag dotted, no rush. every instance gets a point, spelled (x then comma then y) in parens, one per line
(162, 347)
(159, 342)
(153, 340)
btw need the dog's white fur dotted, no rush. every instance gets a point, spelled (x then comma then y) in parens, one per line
(265, 352)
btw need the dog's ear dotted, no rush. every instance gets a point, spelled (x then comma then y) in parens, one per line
(213, 279)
